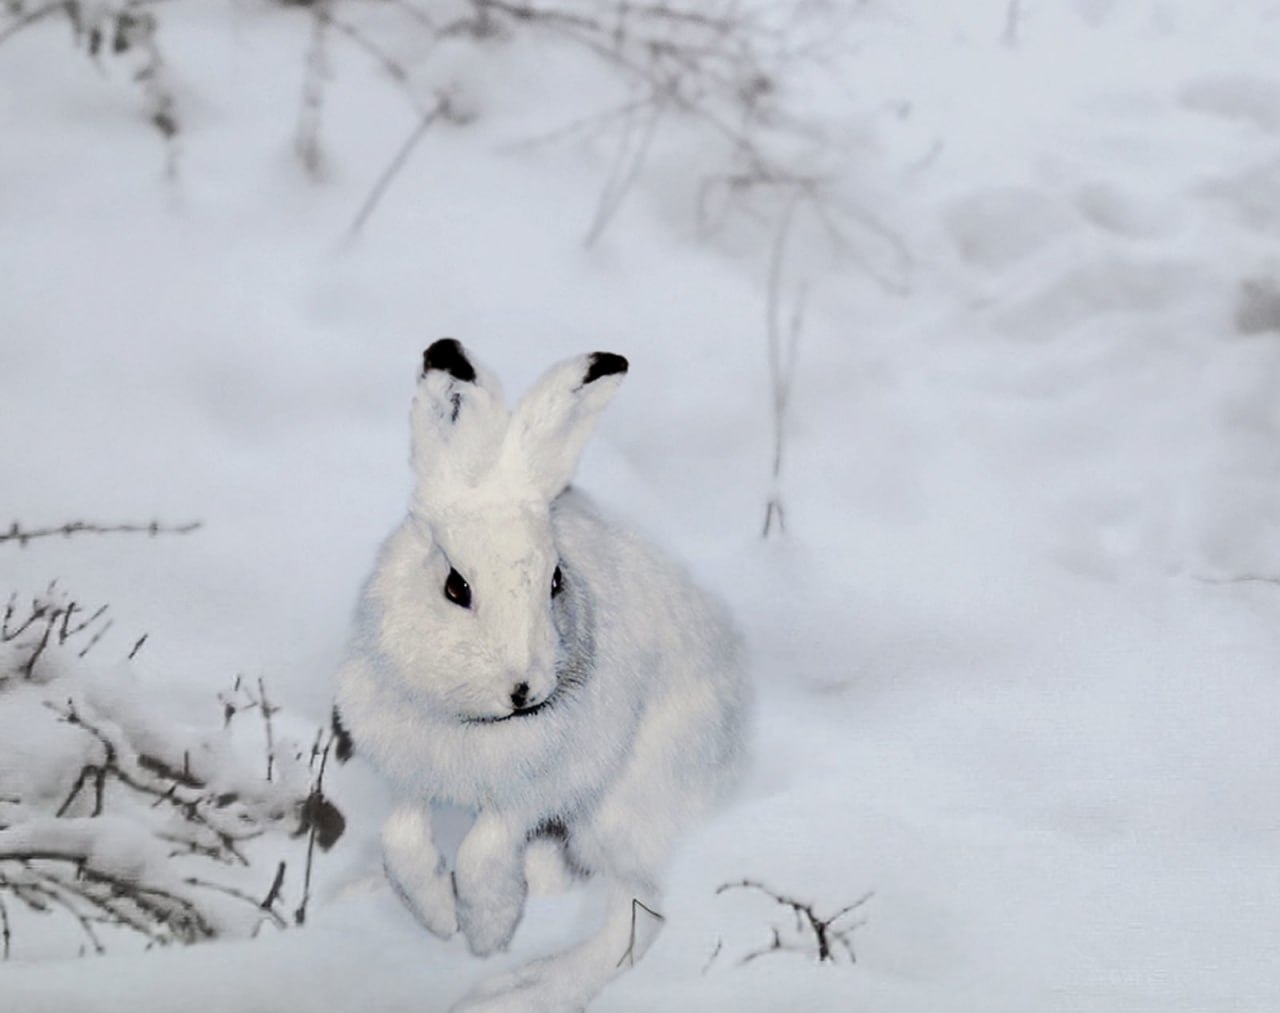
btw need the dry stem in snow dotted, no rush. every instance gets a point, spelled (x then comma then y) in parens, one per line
(822, 937)
(315, 77)
(125, 32)
(782, 344)
(718, 65)
(17, 533)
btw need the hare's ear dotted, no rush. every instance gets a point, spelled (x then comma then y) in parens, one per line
(552, 422)
(458, 419)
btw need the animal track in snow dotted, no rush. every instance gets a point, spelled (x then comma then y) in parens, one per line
(1236, 97)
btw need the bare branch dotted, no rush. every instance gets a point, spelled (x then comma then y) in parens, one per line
(707, 65)
(23, 535)
(315, 74)
(1245, 578)
(267, 711)
(273, 894)
(584, 124)
(442, 110)
(633, 147)
(99, 775)
(314, 809)
(5, 935)
(239, 895)
(53, 893)
(824, 931)
(774, 945)
(30, 18)
(714, 954)
(1012, 22)
(391, 67)
(630, 953)
(781, 354)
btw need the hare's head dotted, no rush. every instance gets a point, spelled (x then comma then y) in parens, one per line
(492, 578)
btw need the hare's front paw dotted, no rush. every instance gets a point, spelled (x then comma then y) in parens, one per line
(417, 873)
(490, 884)
(429, 897)
(489, 921)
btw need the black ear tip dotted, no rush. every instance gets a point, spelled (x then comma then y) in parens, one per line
(604, 364)
(448, 355)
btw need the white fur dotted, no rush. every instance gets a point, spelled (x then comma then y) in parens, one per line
(640, 671)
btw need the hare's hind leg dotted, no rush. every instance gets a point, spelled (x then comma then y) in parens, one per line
(567, 981)
(549, 867)
(417, 871)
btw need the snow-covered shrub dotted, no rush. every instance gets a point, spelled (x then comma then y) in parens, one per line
(122, 32)
(118, 822)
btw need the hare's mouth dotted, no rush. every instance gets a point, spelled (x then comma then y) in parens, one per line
(523, 712)
(528, 712)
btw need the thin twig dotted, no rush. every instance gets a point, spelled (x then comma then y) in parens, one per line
(267, 711)
(701, 64)
(29, 667)
(714, 954)
(782, 361)
(1012, 21)
(98, 635)
(39, 609)
(26, 20)
(775, 944)
(70, 631)
(54, 893)
(626, 167)
(1245, 578)
(5, 934)
(23, 535)
(393, 69)
(99, 775)
(630, 954)
(583, 124)
(826, 933)
(315, 74)
(442, 110)
(273, 894)
(240, 895)
(314, 800)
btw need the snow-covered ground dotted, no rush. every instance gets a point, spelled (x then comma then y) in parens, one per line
(1018, 651)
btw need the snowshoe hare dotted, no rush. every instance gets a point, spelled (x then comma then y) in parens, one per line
(521, 656)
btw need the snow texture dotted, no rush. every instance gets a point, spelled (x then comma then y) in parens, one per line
(1017, 650)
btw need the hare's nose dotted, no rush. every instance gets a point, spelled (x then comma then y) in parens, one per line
(520, 695)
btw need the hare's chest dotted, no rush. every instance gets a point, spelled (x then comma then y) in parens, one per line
(536, 774)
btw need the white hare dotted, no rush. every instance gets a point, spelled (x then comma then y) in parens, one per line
(518, 655)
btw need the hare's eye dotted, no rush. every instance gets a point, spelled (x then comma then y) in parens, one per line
(557, 582)
(457, 590)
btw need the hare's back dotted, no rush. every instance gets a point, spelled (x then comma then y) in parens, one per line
(651, 617)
